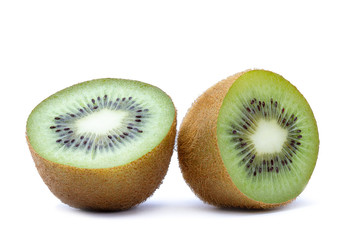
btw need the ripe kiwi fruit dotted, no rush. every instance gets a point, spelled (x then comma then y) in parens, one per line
(249, 141)
(103, 144)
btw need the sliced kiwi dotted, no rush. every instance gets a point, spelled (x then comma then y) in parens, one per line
(103, 144)
(249, 141)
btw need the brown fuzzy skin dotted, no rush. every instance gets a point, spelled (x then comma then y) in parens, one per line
(199, 157)
(108, 189)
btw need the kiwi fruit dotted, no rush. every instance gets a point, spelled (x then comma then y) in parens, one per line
(103, 144)
(250, 141)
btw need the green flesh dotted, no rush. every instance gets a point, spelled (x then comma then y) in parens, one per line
(100, 123)
(269, 151)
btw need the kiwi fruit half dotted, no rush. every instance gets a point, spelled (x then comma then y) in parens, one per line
(249, 141)
(103, 144)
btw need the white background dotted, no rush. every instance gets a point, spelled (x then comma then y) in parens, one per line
(183, 47)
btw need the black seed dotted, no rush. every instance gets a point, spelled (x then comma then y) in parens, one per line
(243, 152)
(129, 127)
(138, 120)
(243, 144)
(52, 127)
(81, 110)
(252, 101)
(251, 160)
(57, 118)
(244, 126)
(253, 156)
(95, 107)
(105, 97)
(277, 169)
(66, 141)
(122, 136)
(57, 130)
(66, 129)
(271, 169)
(248, 165)
(283, 121)
(240, 139)
(138, 116)
(109, 136)
(70, 132)
(77, 145)
(59, 140)
(125, 133)
(263, 104)
(271, 101)
(130, 98)
(300, 136)
(93, 101)
(123, 99)
(81, 137)
(139, 110)
(287, 124)
(254, 173)
(283, 109)
(298, 131)
(290, 160)
(272, 162)
(259, 108)
(264, 162)
(276, 104)
(90, 147)
(140, 131)
(283, 162)
(73, 140)
(260, 170)
(295, 119)
(72, 115)
(260, 103)
(248, 109)
(298, 143)
(234, 131)
(85, 142)
(98, 98)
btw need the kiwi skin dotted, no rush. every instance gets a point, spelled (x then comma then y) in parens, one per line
(108, 189)
(199, 157)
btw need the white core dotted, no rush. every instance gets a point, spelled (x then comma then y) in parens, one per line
(269, 137)
(101, 122)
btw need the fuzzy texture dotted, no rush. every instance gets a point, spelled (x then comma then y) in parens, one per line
(199, 157)
(108, 189)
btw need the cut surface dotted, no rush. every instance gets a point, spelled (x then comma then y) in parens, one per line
(267, 137)
(100, 123)
(109, 119)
